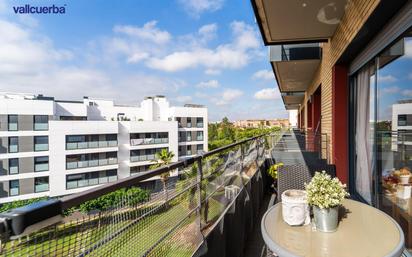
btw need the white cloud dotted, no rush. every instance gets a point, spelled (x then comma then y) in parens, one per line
(208, 32)
(391, 90)
(208, 84)
(407, 92)
(387, 78)
(212, 72)
(183, 99)
(31, 63)
(196, 7)
(227, 96)
(149, 32)
(234, 55)
(267, 94)
(263, 74)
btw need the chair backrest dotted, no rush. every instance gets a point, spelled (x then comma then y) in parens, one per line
(292, 177)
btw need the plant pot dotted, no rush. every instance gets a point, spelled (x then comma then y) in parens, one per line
(404, 179)
(295, 209)
(326, 220)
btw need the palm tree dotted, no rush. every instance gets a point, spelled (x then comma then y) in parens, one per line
(163, 157)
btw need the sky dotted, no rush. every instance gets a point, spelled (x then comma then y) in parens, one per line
(206, 52)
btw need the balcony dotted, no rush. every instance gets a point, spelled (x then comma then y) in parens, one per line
(220, 194)
(142, 158)
(148, 141)
(41, 126)
(90, 145)
(90, 163)
(41, 147)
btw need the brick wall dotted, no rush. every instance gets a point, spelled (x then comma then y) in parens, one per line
(356, 14)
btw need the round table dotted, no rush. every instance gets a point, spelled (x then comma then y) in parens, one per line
(363, 231)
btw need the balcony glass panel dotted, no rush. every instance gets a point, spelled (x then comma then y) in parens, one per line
(41, 167)
(93, 144)
(112, 143)
(41, 188)
(83, 183)
(199, 125)
(82, 145)
(188, 152)
(93, 181)
(103, 180)
(103, 144)
(103, 162)
(71, 184)
(71, 165)
(13, 126)
(13, 170)
(13, 148)
(112, 160)
(112, 178)
(93, 163)
(41, 147)
(71, 146)
(165, 140)
(14, 191)
(83, 164)
(41, 126)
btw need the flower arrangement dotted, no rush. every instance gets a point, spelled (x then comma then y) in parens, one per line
(324, 191)
(273, 170)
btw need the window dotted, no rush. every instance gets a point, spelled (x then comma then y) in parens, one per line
(41, 184)
(188, 150)
(381, 150)
(13, 144)
(14, 187)
(13, 122)
(199, 147)
(41, 122)
(41, 163)
(199, 135)
(137, 169)
(41, 143)
(188, 136)
(13, 166)
(405, 119)
(189, 122)
(199, 122)
(179, 121)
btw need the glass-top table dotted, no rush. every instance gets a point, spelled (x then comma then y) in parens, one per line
(363, 231)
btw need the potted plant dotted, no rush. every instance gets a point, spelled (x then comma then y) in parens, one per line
(325, 194)
(273, 170)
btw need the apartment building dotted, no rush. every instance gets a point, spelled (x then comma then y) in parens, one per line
(262, 123)
(51, 147)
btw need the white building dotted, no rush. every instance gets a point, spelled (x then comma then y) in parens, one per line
(402, 127)
(51, 148)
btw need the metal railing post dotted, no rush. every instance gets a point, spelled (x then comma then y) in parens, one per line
(199, 189)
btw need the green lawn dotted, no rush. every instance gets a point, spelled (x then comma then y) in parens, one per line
(135, 240)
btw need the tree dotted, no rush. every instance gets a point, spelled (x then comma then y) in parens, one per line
(163, 157)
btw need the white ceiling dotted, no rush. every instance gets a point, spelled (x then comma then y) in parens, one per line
(299, 20)
(295, 76)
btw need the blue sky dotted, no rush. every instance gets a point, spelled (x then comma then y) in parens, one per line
(193, 51)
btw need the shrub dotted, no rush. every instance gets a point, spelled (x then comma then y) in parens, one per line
(324, 191)
(273, 170)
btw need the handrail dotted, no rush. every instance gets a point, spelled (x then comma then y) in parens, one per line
(40, 214)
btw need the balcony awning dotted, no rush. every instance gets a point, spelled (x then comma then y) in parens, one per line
(295, 65)
(292, 100)
(297, 21)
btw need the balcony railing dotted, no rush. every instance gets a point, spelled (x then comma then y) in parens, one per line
(141, 158)
(90, 145)
(175, 221)
(41, 167)
(41, 126)
(41, 147)
(90, 182)
(148, 141)
(90, 163)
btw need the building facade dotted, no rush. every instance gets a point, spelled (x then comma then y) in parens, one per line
(52, 148)
(262, 123)
(344, 66)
